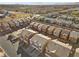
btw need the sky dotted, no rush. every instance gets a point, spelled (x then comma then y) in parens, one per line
(36, 2)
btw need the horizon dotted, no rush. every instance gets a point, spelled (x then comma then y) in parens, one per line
(40, 3)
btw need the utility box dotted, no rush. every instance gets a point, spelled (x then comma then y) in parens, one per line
(51, 30)
(56, 48)
(16, 23)
(65, 34)
(5, 28)
(76, 54)
(15, 36)
(32, 24)
(44, 28)
(21, 23)
(35, 26)
(12, 24)
(40, 27)
(74, 37)
(57, 32)
(27, 34)
(39, 41)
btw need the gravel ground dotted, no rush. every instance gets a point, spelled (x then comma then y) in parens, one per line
(8, 47)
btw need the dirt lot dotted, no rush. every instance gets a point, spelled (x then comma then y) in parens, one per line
(8, 47)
